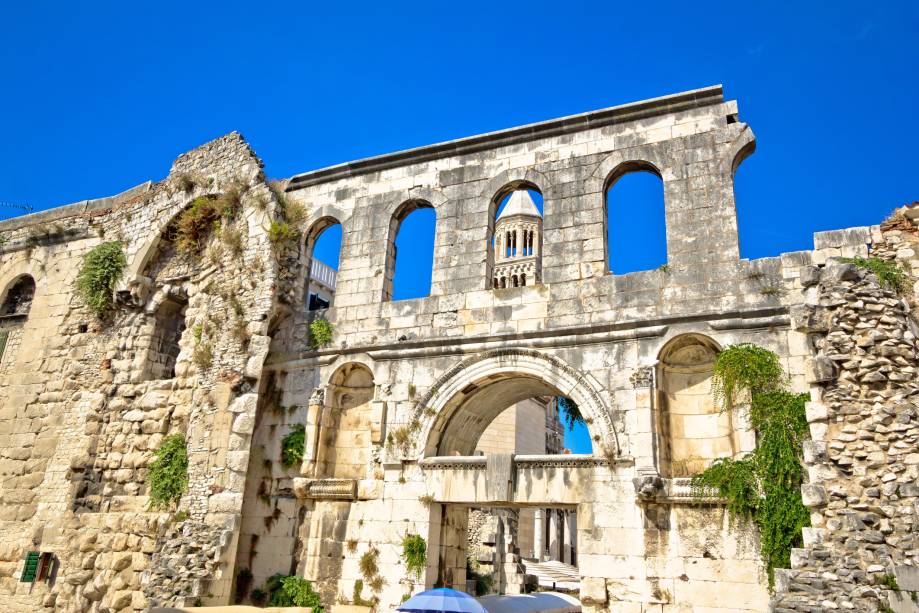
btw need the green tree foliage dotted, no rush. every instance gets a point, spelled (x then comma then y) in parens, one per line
(764, 486)
(571, 412)
(168, 475)
(102, 268)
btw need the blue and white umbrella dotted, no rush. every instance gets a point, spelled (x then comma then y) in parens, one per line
(442, 600)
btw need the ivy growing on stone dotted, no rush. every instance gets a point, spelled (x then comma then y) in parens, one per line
(292, 446)
(321, 331)
(168, 476)
(414, 552)
(102, 268)
(764, 486)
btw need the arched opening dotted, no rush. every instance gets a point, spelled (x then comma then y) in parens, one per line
(410, 253)
(163, 348)
(345, 425)
(693, 431)
(514, 234)
(323, 250)
(17, 303)
(18, 299)
(636, 235)
(519, 415)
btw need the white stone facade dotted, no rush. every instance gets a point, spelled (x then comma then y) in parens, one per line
(393, 407)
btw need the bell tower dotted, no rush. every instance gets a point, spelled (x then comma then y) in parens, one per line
(518, 243)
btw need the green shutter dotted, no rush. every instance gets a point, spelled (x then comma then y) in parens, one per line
(30, 568)
(4, 334)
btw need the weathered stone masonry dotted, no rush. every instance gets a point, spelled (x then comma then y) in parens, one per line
(394, 406)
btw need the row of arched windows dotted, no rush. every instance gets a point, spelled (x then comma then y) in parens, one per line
(512, 281)
(634, 227)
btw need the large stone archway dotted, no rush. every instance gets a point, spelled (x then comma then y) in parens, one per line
(463, 401)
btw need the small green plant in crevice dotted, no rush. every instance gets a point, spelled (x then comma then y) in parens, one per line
(203, 355)
(411, 390)
(770, 290)
(186, 182)
(889, 274)
(287, 591)
(401, 438)
(763, 486)
(320, 332)
(280, 233)
(414, 552)
(664, 268)
(168, 476)
(368, 564)
(351, 545)
(426, 499)
(357, 596)
(292, 446)
(204, 214)
(101, 269)
(889, 581)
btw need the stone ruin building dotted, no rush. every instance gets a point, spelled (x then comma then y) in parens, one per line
(213, 343)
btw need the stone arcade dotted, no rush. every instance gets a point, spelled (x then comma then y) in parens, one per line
(215, 347)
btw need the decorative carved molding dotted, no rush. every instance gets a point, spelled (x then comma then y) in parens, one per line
(326, 489)
(679, 490)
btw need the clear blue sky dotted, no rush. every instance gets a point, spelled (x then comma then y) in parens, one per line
(98, 97)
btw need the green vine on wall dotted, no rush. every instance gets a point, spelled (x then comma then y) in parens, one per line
(287, 591)
(414, 552)
(168, 475)
(763, 486)
(102, 268)
(292, 446)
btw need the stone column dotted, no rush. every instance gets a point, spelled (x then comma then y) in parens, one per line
(553, 535)
(539, 523)
(571, 535)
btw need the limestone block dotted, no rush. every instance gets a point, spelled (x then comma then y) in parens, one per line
(593, 591)
(244, 424)
(813, 495)
(238, 461)
(819, 370)
(225, 502)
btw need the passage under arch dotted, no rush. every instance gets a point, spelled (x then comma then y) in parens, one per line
(635, 218)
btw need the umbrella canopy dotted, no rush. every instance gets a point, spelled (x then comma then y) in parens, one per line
(442, 600)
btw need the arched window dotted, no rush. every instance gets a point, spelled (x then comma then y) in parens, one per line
(323, 249)
(410, 254)
(503, 282)
(515, 223)
(523, 280)
(18, 300)
(636, 230)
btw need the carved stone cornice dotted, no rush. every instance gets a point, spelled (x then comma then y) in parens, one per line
(326, 489)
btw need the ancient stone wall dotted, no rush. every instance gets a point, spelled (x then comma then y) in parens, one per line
(86, 400)
(862, 461)
(215, 347)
